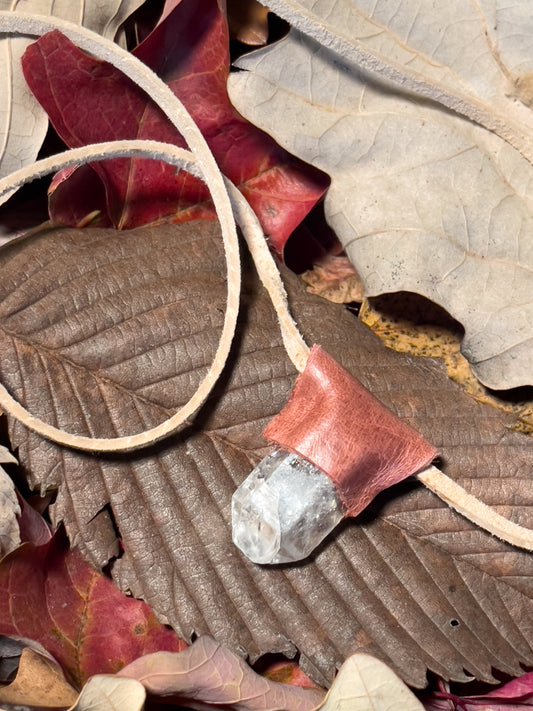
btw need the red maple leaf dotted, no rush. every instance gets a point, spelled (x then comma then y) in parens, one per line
(90, 101)
(48, 593)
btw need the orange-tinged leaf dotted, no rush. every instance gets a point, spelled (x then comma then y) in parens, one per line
(335, 279)
(39, 682)
(49, 594)
(248, 21)
(287, 671)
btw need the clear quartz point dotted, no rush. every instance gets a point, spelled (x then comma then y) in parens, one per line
(284, 509)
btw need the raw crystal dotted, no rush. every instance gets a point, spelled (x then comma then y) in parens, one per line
(284, 509)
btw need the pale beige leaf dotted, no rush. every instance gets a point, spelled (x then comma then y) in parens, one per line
(23, 123)
(423, 199)
(9, 508)
(206, 675)
(367, 684)
(110, 693)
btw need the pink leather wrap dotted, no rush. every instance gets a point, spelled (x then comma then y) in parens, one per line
(336, 423)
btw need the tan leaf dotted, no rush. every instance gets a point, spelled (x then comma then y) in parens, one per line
(39, 682)
(335, 279)
(9, 507)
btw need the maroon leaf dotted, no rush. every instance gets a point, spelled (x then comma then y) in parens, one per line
(91, 101)
(105, 333)
(513, 696)
(49, 594)
(33, 527)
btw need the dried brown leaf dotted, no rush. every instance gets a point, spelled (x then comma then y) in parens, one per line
(106, 333)
(247, 20)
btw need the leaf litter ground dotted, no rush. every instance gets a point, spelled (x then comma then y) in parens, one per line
(105, 333)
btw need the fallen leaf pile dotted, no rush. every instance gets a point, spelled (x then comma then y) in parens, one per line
(411, 582)
(134, 592)
(422, 198)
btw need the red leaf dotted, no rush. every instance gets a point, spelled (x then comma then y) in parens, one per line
(49, 594)
(90, 101)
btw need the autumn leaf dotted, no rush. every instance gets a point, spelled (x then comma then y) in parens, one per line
(334, 278)
(365, 683)
(515, 695)
(9, 507)
(23, 123)
(110, 693)
(421, 116)
(286, 671)
(49, 594)
(247, 20)
(106, 333)
(207, 675)
(39, 682)
(189, 50)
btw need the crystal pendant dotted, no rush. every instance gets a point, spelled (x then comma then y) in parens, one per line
(284, 509)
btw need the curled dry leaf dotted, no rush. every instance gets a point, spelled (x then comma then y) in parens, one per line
(10, 650)
(106, 333)
(23, 123)
(207, 674)
(407, 173)
(335, 279)
(365, 683)
(39, 682)
(9, 507)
